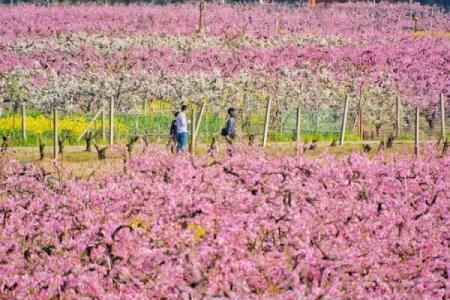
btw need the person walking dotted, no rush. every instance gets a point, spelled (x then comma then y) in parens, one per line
(182, 129)
(173, 139)
(229, 132)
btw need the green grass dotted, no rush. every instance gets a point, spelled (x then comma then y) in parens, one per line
(159, 123)
(306, 137)
(156, 126)
(32, 140)
(405, 137)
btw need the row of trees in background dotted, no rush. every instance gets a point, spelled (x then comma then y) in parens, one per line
(315, 85)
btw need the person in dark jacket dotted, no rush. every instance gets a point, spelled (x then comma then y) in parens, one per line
(229, 132)
(173, 134)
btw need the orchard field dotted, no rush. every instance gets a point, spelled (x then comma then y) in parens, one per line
(78, 59)
(239, 221)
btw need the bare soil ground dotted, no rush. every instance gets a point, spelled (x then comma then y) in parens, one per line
(76, 163)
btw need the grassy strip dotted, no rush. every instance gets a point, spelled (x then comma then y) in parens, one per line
(155, 126)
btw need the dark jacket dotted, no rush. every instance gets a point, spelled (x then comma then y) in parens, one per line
(231, 127)
(173, 128)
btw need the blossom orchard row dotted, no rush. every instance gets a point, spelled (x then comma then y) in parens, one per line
(245, 226)
(359, 21)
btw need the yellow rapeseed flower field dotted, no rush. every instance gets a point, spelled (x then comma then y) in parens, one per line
(40, 125)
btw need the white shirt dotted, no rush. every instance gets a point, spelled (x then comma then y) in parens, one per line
(182, 125)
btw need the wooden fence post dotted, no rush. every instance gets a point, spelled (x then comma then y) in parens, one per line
(144, 106)
(55, 133)
(281, 126)
(24, 122)
(397, 121)
(443, 133)
(193, 120)
(158, 134)
(344, 121)
(103, 125)
(199, 120)
(361, 113)
(416, 132)
(266, 123)
(297, 125)
(316, 122)
(111, 121)
(136, 124)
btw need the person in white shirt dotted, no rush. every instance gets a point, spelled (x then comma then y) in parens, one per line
(182, 129)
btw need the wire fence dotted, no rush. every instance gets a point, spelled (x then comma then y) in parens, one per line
(27, 126)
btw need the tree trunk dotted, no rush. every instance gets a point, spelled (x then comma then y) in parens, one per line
(5, 143)
(431, 120)
(61, 141)
(89, 137)
(41, 150)
(377, 130)
(101, 152)
(201, 20)
(130, 145)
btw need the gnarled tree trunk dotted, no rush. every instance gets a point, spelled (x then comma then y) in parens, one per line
(41, 150)
(5, 143)
(89, 137)
(201, 19)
